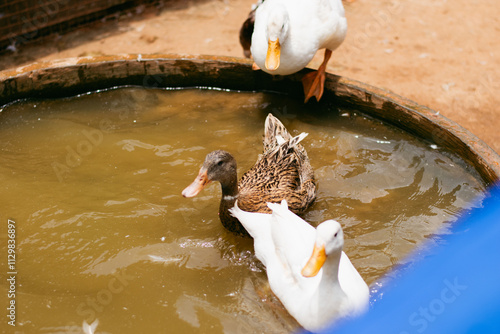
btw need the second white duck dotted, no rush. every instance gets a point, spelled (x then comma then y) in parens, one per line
(287, 34)
(306, 267)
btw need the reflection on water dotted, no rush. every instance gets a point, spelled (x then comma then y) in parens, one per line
(94, 185)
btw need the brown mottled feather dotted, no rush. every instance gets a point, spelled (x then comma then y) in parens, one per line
(282, 172)
(246, 32)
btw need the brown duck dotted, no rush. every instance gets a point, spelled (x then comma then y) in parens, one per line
(282, 172)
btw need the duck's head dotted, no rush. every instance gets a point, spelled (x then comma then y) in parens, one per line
(218, 166)
(277, 30)
(329, 240)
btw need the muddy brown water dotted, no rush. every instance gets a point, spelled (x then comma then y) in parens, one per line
(94, 185)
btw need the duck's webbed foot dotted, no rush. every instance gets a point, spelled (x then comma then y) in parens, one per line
(314, 82)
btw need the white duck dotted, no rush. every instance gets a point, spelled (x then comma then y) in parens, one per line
(306, 267)
(287, 34)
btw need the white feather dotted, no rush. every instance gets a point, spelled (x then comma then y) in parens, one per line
(284, 242)
(308, 26)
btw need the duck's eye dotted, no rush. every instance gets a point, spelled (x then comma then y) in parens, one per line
(336, 234)
(220, 163)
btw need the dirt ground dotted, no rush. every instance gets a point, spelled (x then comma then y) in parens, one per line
(439, 53)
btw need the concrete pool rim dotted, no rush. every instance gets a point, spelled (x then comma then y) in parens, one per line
(73, 76)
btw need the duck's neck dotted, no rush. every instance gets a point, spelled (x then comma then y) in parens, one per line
(330, 278)
(327, 303)
(230, 188)
(229, 197)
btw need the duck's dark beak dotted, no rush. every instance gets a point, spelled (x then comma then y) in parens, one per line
(198, 184)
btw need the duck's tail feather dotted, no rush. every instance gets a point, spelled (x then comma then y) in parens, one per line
(278, 207)
(307, 180)
(297, 139)
(253, 222)
(272, 129)
(280, 146)
(89, 329)
(285, 215)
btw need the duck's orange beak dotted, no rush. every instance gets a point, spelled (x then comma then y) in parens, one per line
(273, 55)
(315, 262)
(198, 184)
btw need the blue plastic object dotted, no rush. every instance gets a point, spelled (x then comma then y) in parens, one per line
(456, 289)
